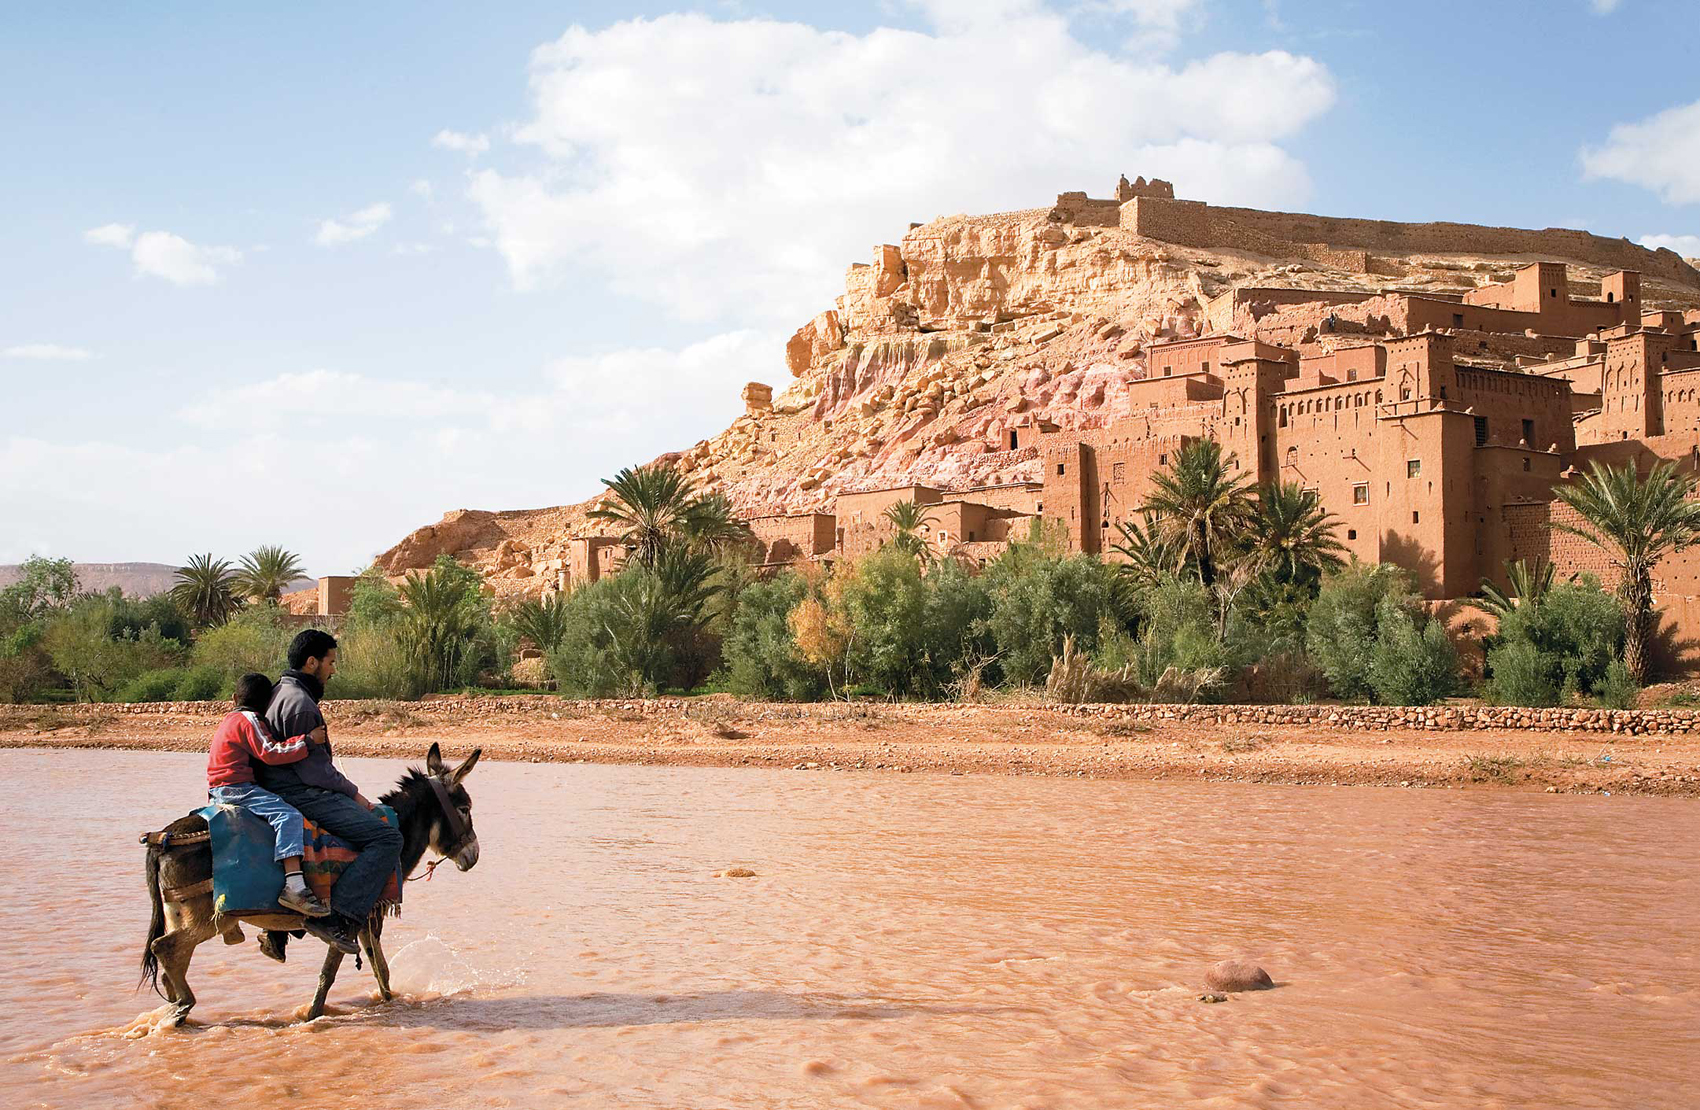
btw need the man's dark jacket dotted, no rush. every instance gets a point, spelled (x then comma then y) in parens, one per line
(294, 711)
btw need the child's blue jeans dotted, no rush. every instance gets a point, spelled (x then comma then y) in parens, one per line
(284, 818)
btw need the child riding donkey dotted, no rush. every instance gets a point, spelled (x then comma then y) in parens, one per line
(243, 738)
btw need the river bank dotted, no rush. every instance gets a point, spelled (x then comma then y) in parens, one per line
(1637, 752)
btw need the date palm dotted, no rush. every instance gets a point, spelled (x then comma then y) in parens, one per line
(1636, 521)
(206, 589)
(907, 518)
(1201, 505)
(1294, 533)
(651, 506)
(267, 572)
(543, 622)
(655, 608)
(1526, 584)
(1150, 555)
(710, 525)
(440, 618)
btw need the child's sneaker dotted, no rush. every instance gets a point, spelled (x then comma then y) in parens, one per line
(303, 902)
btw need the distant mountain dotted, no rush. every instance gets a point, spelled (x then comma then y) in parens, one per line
(135, 579)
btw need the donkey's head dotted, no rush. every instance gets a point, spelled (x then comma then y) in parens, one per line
(450, 807)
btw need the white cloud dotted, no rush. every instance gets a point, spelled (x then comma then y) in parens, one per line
(421, 188)
(1686, 245)
(331, 395)
(164, 255)
(470, 145)
(1661, 153)
(412, 248)
(736, 168)
(356, 225)
(1604, 7)
(397, 452)
(50, 352)
(111, 235)
(1157, 23)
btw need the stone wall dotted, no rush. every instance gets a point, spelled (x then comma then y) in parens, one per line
(1373, 718)
(1196, 224)
(1379, 718)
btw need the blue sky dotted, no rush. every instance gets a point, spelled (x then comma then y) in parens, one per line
(315, 274)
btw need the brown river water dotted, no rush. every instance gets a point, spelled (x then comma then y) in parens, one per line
(907, 941)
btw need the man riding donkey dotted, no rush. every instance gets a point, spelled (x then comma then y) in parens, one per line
(326, 797)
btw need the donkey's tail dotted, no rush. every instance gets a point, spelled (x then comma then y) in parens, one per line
(156, 926)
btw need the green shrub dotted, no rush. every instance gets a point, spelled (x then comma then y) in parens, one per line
(955, 622)
(1578, 627)
(1413, 661)
(157, 685)
(580, 661)
(1522, 674)
(762, 660)
(1037, 600)
(1177, 629)
(203, 684)
(1617, 688)
(254, 641)
(1342, 627)
(373, 662)
(885, 603)
(80, 643)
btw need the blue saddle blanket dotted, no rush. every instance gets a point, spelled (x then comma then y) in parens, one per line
(246, 877)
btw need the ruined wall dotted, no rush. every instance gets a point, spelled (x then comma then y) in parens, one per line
(783, 539)
(1194, 223)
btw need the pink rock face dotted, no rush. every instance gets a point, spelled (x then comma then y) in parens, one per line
(1237, 975)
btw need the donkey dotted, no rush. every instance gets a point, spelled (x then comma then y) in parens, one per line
(434, 811)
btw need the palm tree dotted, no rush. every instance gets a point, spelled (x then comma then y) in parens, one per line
(907, 518)
(1294, 533)
(205, 588)
(656, 608)
(651, 505)
(543, 622)
(1636, 522)
(1529, 585)
(440, 623)
(710, 525)
(1200, 505)
(266, 573)
(1150, 555)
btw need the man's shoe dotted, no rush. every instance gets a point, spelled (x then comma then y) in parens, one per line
(336, 931)
(303, 902)
(271, 944)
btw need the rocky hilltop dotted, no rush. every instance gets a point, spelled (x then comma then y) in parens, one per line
(973, 326)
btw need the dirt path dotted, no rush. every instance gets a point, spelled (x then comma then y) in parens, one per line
(959, 739)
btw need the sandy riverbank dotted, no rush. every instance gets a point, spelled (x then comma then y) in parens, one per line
(966, 739)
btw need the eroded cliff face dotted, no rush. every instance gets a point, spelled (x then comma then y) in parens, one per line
(970, 327)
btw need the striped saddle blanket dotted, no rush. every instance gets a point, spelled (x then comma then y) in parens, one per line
(246, 879)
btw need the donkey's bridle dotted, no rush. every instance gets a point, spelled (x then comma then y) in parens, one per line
(459, 831)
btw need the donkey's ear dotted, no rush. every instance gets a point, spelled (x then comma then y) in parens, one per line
(465, 768)
(434, 760)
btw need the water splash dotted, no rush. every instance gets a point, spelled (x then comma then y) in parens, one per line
(431, 967)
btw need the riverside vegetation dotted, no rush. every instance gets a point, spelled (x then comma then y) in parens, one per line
(1221, 592)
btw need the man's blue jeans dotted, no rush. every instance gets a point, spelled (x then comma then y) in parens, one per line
(379, 845)
(284, 818)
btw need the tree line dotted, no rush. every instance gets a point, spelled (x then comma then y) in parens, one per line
(1220, 591)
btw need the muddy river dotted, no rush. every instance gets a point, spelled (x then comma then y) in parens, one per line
(906, 941)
